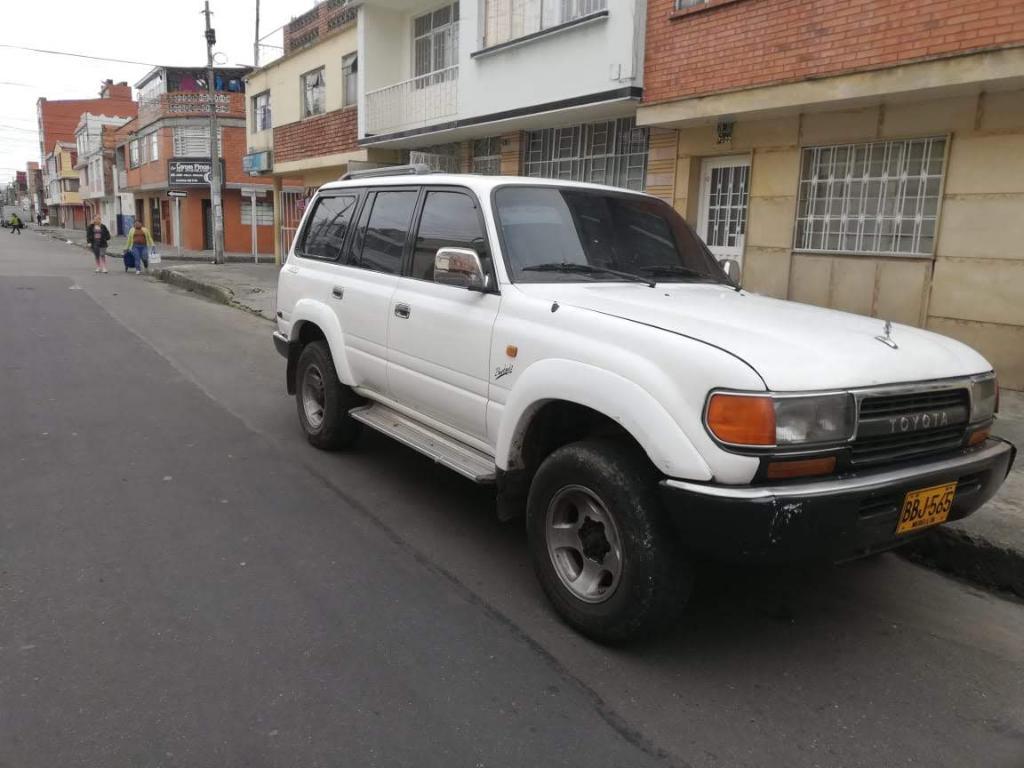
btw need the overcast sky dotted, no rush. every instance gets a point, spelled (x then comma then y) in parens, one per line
(155, 33)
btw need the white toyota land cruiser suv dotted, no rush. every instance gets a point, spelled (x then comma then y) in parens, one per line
(579, 348)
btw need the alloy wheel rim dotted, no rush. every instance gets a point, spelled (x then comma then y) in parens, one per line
(313, 396)
(583, 543)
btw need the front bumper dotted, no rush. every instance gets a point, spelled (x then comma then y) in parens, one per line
(838, 519)
(281, 344)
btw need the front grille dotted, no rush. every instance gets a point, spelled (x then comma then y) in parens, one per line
(887, 405)
(878, 443)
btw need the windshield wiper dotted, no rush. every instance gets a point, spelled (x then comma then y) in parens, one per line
(585, 269)
(675, 269)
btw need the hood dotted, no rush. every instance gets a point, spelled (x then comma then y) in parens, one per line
(792, 346)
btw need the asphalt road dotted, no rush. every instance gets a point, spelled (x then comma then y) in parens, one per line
(185, 582)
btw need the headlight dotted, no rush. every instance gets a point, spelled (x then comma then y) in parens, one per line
(984, 398)
(766, 420)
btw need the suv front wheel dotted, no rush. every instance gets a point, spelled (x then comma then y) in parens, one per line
(604, 553)
(323, 401)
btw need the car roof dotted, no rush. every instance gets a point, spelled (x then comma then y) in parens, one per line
(482, 185)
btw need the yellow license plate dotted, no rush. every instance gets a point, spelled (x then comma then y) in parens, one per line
(929, 506)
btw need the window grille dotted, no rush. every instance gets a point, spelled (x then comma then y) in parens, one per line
(194, 141)
(443, 158)
(487, 156)
(506, 20)
(612, 152)
(878, 198)
(435, 44)
(684, 4)
(264, 214)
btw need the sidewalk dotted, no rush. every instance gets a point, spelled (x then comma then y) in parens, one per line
(118, 244)
(986, 548)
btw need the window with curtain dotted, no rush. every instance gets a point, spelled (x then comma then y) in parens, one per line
(261, 112)
(349, 80)
(313, 93)
(506, 20)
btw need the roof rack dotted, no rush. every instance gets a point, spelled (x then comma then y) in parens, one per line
(390, 170)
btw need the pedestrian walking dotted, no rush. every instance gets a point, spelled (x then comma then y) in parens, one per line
(39, 219)
(141, 241)
(16, 224)
(98, 236)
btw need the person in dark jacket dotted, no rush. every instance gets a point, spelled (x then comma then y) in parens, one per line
(98, 236)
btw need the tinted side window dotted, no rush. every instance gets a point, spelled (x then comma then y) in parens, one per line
(386, 231)
(449, 219)
(328, 228)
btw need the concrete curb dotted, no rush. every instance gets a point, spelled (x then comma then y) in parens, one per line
(973, 558)
(212, 292)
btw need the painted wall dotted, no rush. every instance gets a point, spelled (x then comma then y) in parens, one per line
(282, 79)
(599, 56)
(973, 288)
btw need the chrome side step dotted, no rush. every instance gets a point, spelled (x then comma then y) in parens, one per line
(468, 462)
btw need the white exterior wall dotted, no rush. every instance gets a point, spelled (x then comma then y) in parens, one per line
(597, 56)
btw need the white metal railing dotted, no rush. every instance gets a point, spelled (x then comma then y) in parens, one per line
(414, 103)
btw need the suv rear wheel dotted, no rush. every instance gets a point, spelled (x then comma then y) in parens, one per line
(604, 553)
(323, 401)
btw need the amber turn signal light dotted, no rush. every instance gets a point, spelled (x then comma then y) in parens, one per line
(781, 470)
(742, 419)
(979, 436)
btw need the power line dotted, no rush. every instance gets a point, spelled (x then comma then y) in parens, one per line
(76, 55)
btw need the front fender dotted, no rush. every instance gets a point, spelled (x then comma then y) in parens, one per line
(322, 316)
(608, 393)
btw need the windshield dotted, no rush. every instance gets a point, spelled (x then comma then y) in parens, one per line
(553, 234)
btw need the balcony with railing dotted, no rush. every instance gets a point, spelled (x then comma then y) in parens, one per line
(422, 101)
(189, 104)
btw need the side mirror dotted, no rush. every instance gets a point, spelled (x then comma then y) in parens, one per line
(732, 270)
(460, 267)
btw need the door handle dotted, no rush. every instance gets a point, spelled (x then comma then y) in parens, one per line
(403, 311)
(338, 292)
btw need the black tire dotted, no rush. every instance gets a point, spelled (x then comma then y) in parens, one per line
(334, 429)
(654, 578)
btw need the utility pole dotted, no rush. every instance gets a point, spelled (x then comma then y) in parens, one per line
(217, 208)
(256, 44)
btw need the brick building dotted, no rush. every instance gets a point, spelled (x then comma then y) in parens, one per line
(167, 147)
(857, 154)
(57, 122)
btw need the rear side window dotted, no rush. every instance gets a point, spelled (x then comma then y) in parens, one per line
(328, 227)
(386, 231)
(449, 220)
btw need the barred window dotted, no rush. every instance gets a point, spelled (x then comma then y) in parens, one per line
(506, 20)
(194, 141)
(264, 214)
(880, 198)
(612, 152)
(684, 4)
(487, 156)
(435, 43)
